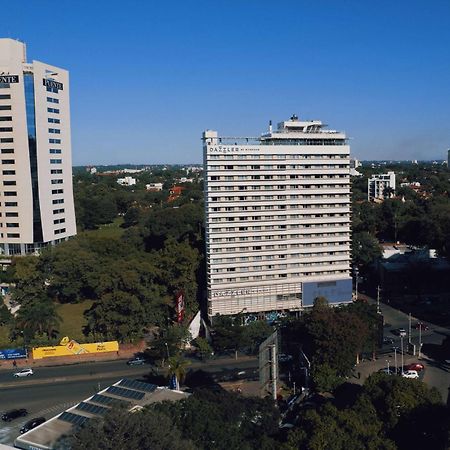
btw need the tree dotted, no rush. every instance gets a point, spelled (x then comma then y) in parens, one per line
(120, 430)
(178, 369)
(204, 349)
(365, 250)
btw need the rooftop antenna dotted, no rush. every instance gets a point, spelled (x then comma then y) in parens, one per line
(270, 126)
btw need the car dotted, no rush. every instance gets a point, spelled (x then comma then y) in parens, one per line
(138, 361)
(14, 414)
(421, 326)
(415, 366)
(387, 370)
(410, 374)
(33, 423)
(399, 332)
(387, 340)
(23, 373)
(283, 358)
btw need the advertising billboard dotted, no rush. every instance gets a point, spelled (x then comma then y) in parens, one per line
(13, 353)
(180, 306)
(73, 348)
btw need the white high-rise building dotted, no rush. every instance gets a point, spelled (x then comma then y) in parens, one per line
(36, 196)
(381, 186)
(277, 219)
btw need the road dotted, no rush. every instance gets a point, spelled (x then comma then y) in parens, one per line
(437, 373)
(51, 390)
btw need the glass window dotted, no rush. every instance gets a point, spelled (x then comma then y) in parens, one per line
(5, 107)
(57, 181)
(56, 171)
(5, 118)
(10, 203)
(9, 172)
(6, 130)
(52, 100)
(7, 150)
(54, 141)
(55, 161)
(55, 151)
(5, 96)
(9, 183)
(6, 140)
(11, 214)
(10, 194)
(8, 161)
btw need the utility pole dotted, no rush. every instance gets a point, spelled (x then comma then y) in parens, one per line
(274, 371)
(420, 340)
(409, 329)
(395, 360)
(388, 366)
(356, 283)
(378, 299)
(401, 341)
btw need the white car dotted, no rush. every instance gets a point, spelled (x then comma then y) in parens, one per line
(410, 374)
(23, 373)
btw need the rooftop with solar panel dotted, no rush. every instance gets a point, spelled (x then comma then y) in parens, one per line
(132, 394)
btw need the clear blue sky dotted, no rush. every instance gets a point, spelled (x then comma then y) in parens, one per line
(147, 77)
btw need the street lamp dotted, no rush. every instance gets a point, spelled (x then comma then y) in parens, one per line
(395, 359)
(401, 343)
(167, 348)
(356, 272)
(420, 340)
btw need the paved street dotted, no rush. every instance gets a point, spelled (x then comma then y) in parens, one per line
(53, 389)
(436, 373)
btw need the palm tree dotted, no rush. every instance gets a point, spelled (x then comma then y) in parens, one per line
(178, 369)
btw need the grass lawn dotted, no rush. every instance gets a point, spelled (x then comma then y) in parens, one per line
(73, 320)
(109, 230)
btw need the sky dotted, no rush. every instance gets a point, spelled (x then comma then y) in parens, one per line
(148, 77)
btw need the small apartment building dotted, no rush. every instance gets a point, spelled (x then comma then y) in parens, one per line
(36, 196)
(381, 186)
(277, 219)
(127, 181)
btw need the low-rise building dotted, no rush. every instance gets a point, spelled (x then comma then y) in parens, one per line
(126, 181)
(381, 186)
(154, 186)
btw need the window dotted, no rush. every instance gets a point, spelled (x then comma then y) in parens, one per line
(52, 120)
(57, 181)
(5, 96)
(13, 235)
(9, 172)
(58, 191)
(52, 100)
(55, 151)
(54, 141)
(52, 89)
(8, 161)
(9, 183)
(57, 221)
(61, 230)
(56, 171)
(6, 130)
(10, 203)
(54, 131)
(53, 110)
(58, 201)
(12, 225)
(5, 107)
(11, 214)
(6, 140)
(10, 194)
(5, 118)
(56, 161)
(58, 211)
(7, 150)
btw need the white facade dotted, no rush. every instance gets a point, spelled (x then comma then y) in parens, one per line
(36, 163)
(277, 219)
(126, 181)
(377, 185)
(154, 187)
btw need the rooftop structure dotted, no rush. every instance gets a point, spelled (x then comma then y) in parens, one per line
(130, 393)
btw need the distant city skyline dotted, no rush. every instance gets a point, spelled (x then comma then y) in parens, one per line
(147, 79)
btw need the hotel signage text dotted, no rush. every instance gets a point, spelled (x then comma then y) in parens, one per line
(244, 291)
(9, 79)
(230, 149)
(53, 84)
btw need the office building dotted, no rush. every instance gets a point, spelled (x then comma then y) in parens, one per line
(277, 219)
(381, 186)
(36, 200)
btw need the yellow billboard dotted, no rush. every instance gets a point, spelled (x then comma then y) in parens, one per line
(72, 348)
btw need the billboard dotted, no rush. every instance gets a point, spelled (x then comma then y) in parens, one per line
(180, 306)
(338, 291)
(72, 348)
(13, 353)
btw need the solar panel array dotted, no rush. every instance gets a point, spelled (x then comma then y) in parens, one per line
(74, 419)
(138, 385)
(127, 393)
(93, 409)
(105, 400)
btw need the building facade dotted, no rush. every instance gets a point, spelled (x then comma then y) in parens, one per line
(277, 219)
(381, 186)
(36, 200)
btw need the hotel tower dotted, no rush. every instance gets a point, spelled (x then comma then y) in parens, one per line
(36, 198)
(277, 219)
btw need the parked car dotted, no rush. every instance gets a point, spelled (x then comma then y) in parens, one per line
(421, 326)
(33, 423)
(387, 370)
(137, 361)
(410, 374)
(415, 366)
(23, 373)
(14, 414)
